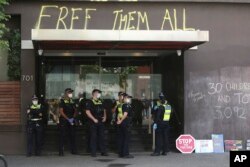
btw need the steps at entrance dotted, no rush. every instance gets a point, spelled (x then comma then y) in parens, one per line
(140, 140)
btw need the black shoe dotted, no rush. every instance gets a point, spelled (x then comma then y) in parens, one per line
(120, 156)
(93, 155)
(61, 154)
(128, 156)
(29, 155)
(163, 153)
(104, 154)
(155, 154)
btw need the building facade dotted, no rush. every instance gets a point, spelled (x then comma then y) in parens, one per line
(196, 51)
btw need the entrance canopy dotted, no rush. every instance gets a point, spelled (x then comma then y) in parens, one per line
(57, 39)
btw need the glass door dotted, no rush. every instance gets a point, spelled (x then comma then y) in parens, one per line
(111, 75)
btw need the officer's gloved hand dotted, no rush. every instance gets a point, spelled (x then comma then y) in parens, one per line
(155, 107)
(71, 120)
(154, 126)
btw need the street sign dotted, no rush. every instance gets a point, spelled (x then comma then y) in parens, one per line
(185, 144)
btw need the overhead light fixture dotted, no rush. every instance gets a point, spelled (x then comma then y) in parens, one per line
(178, 52)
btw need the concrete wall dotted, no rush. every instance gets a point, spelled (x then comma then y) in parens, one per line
(223, 61)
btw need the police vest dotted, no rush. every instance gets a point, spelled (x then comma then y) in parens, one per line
(119, 109)
(98, 108)
(117, 103)
(35, 112)
(68, 101)
(68, 107)
(36, 107)
(167, 111)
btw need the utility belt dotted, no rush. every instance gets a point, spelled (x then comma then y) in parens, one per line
(163, 123)
(99, 118)
(63, 120)
(99, 115)
(127, 121)
(35, 121)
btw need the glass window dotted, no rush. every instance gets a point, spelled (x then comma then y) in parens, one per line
(136, 80)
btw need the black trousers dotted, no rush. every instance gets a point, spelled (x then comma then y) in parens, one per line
(161, 138)
(34, 132)
(88, 138)
(66, 128)
(123, 135)
(97, 137)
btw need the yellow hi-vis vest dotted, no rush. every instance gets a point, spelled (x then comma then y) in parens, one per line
(117, 103)
(68, 101)
(119, 109)
(35, 107)
(167, 112)
(97, 102)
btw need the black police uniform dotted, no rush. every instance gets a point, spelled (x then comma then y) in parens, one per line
(123, 130)
(96, 129)
(34, 128)
(162, 130)
(69, 109)
(81, 107)
(137, 107)
(84, 119)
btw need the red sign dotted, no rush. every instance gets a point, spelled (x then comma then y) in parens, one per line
(185, 144)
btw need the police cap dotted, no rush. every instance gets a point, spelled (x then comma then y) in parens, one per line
(161, 94)
(68, 90)
(34, 97)
(96, 90)
(127, 96)
(121, 93)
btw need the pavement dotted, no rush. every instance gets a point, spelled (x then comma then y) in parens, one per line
(141, 159)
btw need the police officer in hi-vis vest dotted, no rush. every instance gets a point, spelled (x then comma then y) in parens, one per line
(115, 105)
(97, 117)
(67, 121)
(34, 126)
(161, 113)
(124, 113)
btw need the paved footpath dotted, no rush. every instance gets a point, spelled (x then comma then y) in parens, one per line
(140, 160)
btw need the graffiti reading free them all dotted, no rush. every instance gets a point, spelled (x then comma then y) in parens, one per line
(171, 19)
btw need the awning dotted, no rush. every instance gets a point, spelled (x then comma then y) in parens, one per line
(57, 39)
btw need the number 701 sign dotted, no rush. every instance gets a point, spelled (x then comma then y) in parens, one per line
(27, 78)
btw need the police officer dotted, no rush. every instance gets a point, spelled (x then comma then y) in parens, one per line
(115, 105)
(82, 117)
(123, 126)
(34, 126)
(67, 121)
(81, 105)
(161, 113)
(97, 117)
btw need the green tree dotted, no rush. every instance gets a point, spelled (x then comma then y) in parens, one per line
(3, 29)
